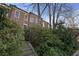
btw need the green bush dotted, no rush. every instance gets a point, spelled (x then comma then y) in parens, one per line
(11, 36)
(48, 42)
(67, 35)
(37, 34)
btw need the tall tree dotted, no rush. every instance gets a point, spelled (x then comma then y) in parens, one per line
(38, 11)
(72, 21)
(59, 10)
(49, 12)
(54, 10)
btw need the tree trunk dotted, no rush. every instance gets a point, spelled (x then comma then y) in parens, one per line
(38, 10)
(58, 14)
(49, 11)
(54, 11)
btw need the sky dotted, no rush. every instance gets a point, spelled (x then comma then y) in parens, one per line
(26, 7)
(75, 5)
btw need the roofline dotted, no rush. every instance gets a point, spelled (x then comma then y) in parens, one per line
(41, 18)
(22, 10)
(3, 4)
(46, 21)
(18, 8)
(33, 13)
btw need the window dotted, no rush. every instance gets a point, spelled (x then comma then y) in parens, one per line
(25, 18)
(17, 14)
(25, 25)
(32, 19)
(36, 21)
(43, 24)
(48, 25)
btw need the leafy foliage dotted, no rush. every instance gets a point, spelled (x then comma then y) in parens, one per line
(11, 36)
(52, 42)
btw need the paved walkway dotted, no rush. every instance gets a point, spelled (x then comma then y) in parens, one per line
(76, 53)
(28, 49)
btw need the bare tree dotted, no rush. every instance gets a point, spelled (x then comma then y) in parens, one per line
(59, 10)
(49, 12)
(54, 12)
(38, 11)
(72, 21)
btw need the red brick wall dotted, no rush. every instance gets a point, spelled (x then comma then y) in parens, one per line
(25, 17)
(21, 18)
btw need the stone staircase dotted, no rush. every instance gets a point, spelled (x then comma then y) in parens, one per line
(28, 49)
(76, 53)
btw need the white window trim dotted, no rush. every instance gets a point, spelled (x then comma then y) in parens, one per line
(15, 14)
(43, 24)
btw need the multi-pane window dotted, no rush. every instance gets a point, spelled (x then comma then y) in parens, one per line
(25, 25)
(36, 20)
(48, 26)
(32, 19)
(43, 24)
(25, 18)
(17, 14)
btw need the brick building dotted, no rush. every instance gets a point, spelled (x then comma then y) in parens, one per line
(23, 17)
(45, 24)
(19, 15)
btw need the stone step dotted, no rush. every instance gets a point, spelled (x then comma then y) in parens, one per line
(27, 53)
(28, 49)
